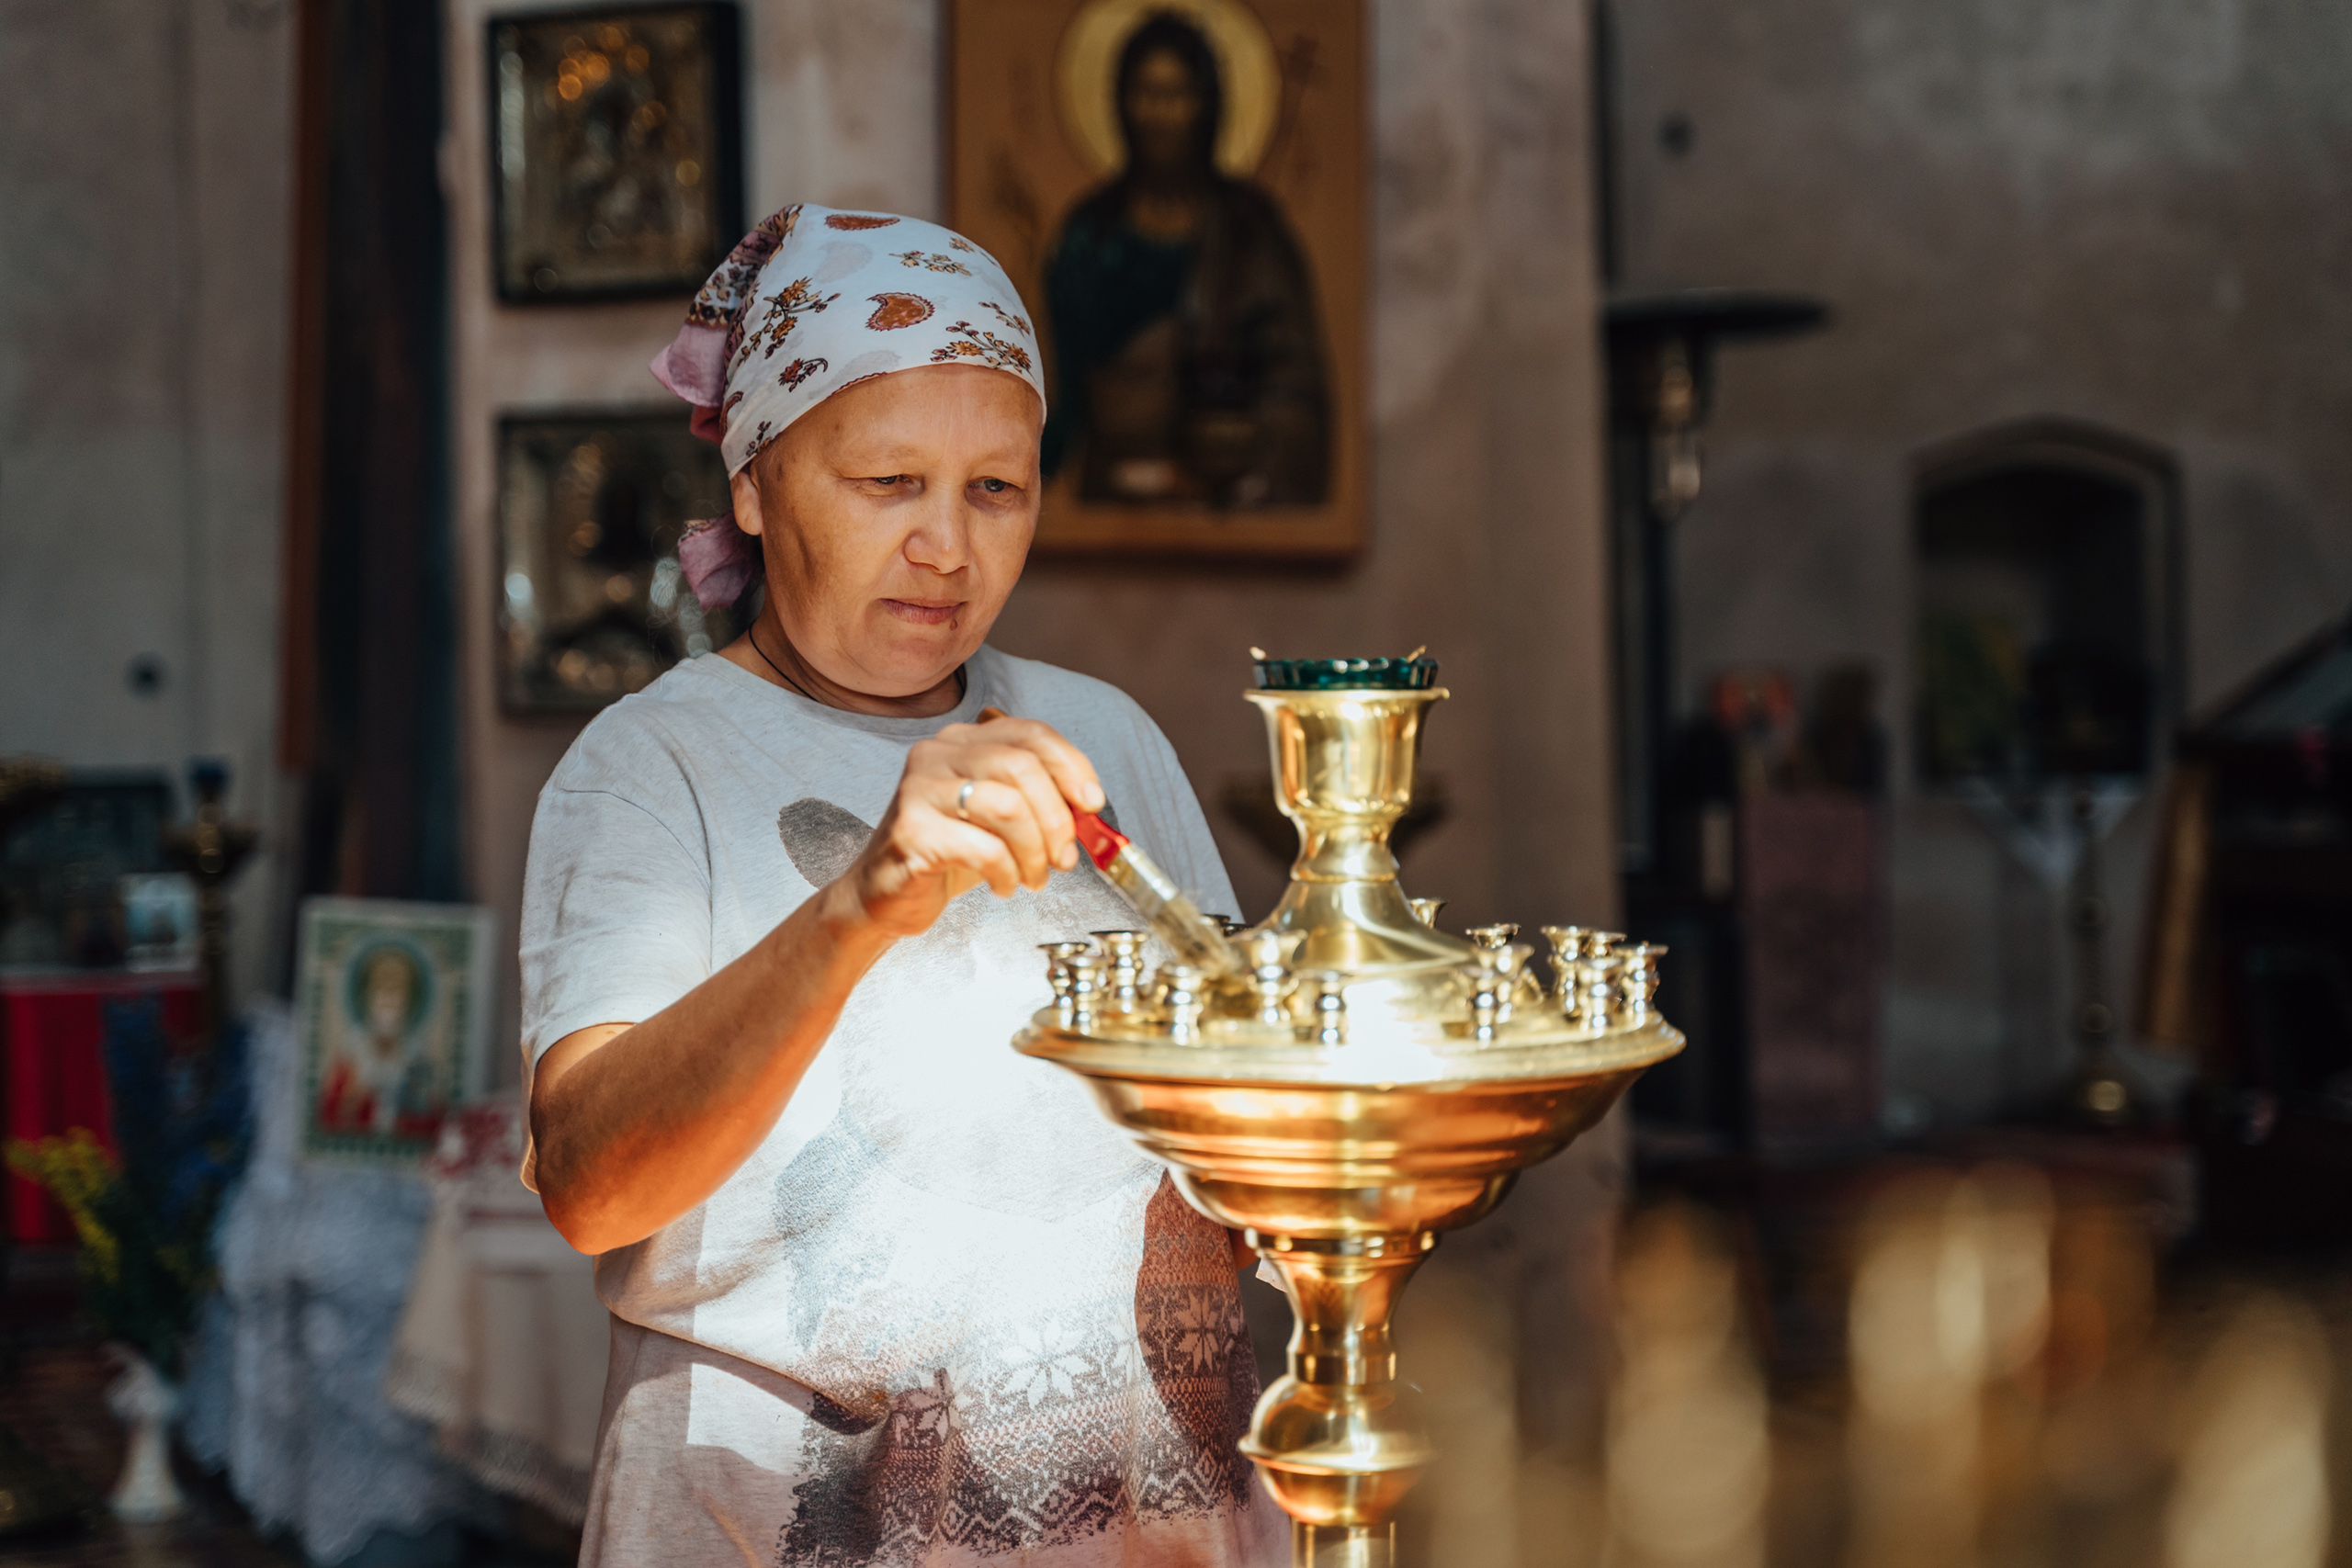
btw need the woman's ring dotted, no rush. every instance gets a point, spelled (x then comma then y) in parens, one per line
(964, 799)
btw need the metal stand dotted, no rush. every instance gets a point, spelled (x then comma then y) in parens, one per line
(1342, 1546)
(2100, 1094)
(1330, 1440)
(1661, 384)
(211, 849)
(2061, 850)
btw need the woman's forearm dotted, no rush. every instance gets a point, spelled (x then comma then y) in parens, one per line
(636, 1128)
(637, 1122)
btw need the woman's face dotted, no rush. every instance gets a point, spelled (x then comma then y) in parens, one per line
(895, 517)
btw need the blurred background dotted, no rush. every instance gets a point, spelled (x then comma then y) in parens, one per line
(1873, 472)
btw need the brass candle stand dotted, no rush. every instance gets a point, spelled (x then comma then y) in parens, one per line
(1357, 1082)
(210, 850)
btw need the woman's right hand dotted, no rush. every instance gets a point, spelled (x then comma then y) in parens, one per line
(1014, 829)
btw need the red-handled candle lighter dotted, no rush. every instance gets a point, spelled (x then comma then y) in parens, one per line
(1193, 936)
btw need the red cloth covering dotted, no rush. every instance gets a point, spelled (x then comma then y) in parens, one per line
(52, 1059)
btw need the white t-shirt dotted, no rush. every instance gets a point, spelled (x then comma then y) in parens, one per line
(946, 1314)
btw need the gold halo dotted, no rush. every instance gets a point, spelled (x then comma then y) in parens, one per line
(1088, 59)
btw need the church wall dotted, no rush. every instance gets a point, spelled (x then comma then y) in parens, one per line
(144, 260)
(2125, 212)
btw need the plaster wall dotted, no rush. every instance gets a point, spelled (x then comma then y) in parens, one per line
(2125, 212)
(144, 261)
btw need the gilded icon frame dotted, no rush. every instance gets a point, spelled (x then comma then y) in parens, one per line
(1029, 161)
(614, 149)
(592, 604)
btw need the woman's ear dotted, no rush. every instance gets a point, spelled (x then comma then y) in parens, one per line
(745, 489)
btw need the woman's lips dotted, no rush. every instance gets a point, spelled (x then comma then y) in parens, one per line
(923, 613)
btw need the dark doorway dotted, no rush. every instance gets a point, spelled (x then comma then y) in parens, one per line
(2044, 607)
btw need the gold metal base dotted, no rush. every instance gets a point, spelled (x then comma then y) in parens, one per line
(1342, 1546)
(1341, 1178)
(1330, 1438)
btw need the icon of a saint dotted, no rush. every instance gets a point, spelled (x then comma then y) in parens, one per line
(1189, 360)
(380, 1083)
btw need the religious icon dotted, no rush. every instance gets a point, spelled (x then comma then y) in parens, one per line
(1182, 312)
(394, 1019)
(1183, 214)
(594, 602)
(615, 151)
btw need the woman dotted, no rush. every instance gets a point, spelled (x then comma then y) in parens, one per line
(882, 1291)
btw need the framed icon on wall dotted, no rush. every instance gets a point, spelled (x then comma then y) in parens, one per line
(392, 1010)
(592, 604)
(615, 151)
(1177, 187)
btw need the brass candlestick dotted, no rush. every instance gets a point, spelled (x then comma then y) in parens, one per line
(210, 850)
(1360, 1082)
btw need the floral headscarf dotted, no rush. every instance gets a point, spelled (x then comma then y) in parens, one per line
(812, 301)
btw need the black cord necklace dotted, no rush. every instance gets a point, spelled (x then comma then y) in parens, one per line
(755, 636)
(963, 681)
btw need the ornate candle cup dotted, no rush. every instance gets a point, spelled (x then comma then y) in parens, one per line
(1493, 977)
(1601, 995)
(1638, 984)
(1126, 983)
(1358, 1083)
(1568, 946)
(1059, 972)
(1330, 1006)
(1182, 995)
(1085, 972)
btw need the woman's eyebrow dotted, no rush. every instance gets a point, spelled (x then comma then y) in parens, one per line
(883, 460)
(910, 459)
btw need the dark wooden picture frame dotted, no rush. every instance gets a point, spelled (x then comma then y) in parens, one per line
(1210, 381)
(593, 604)
(615, 150)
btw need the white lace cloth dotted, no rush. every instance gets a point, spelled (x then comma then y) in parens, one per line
(284, 1381)
(503, 1344)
